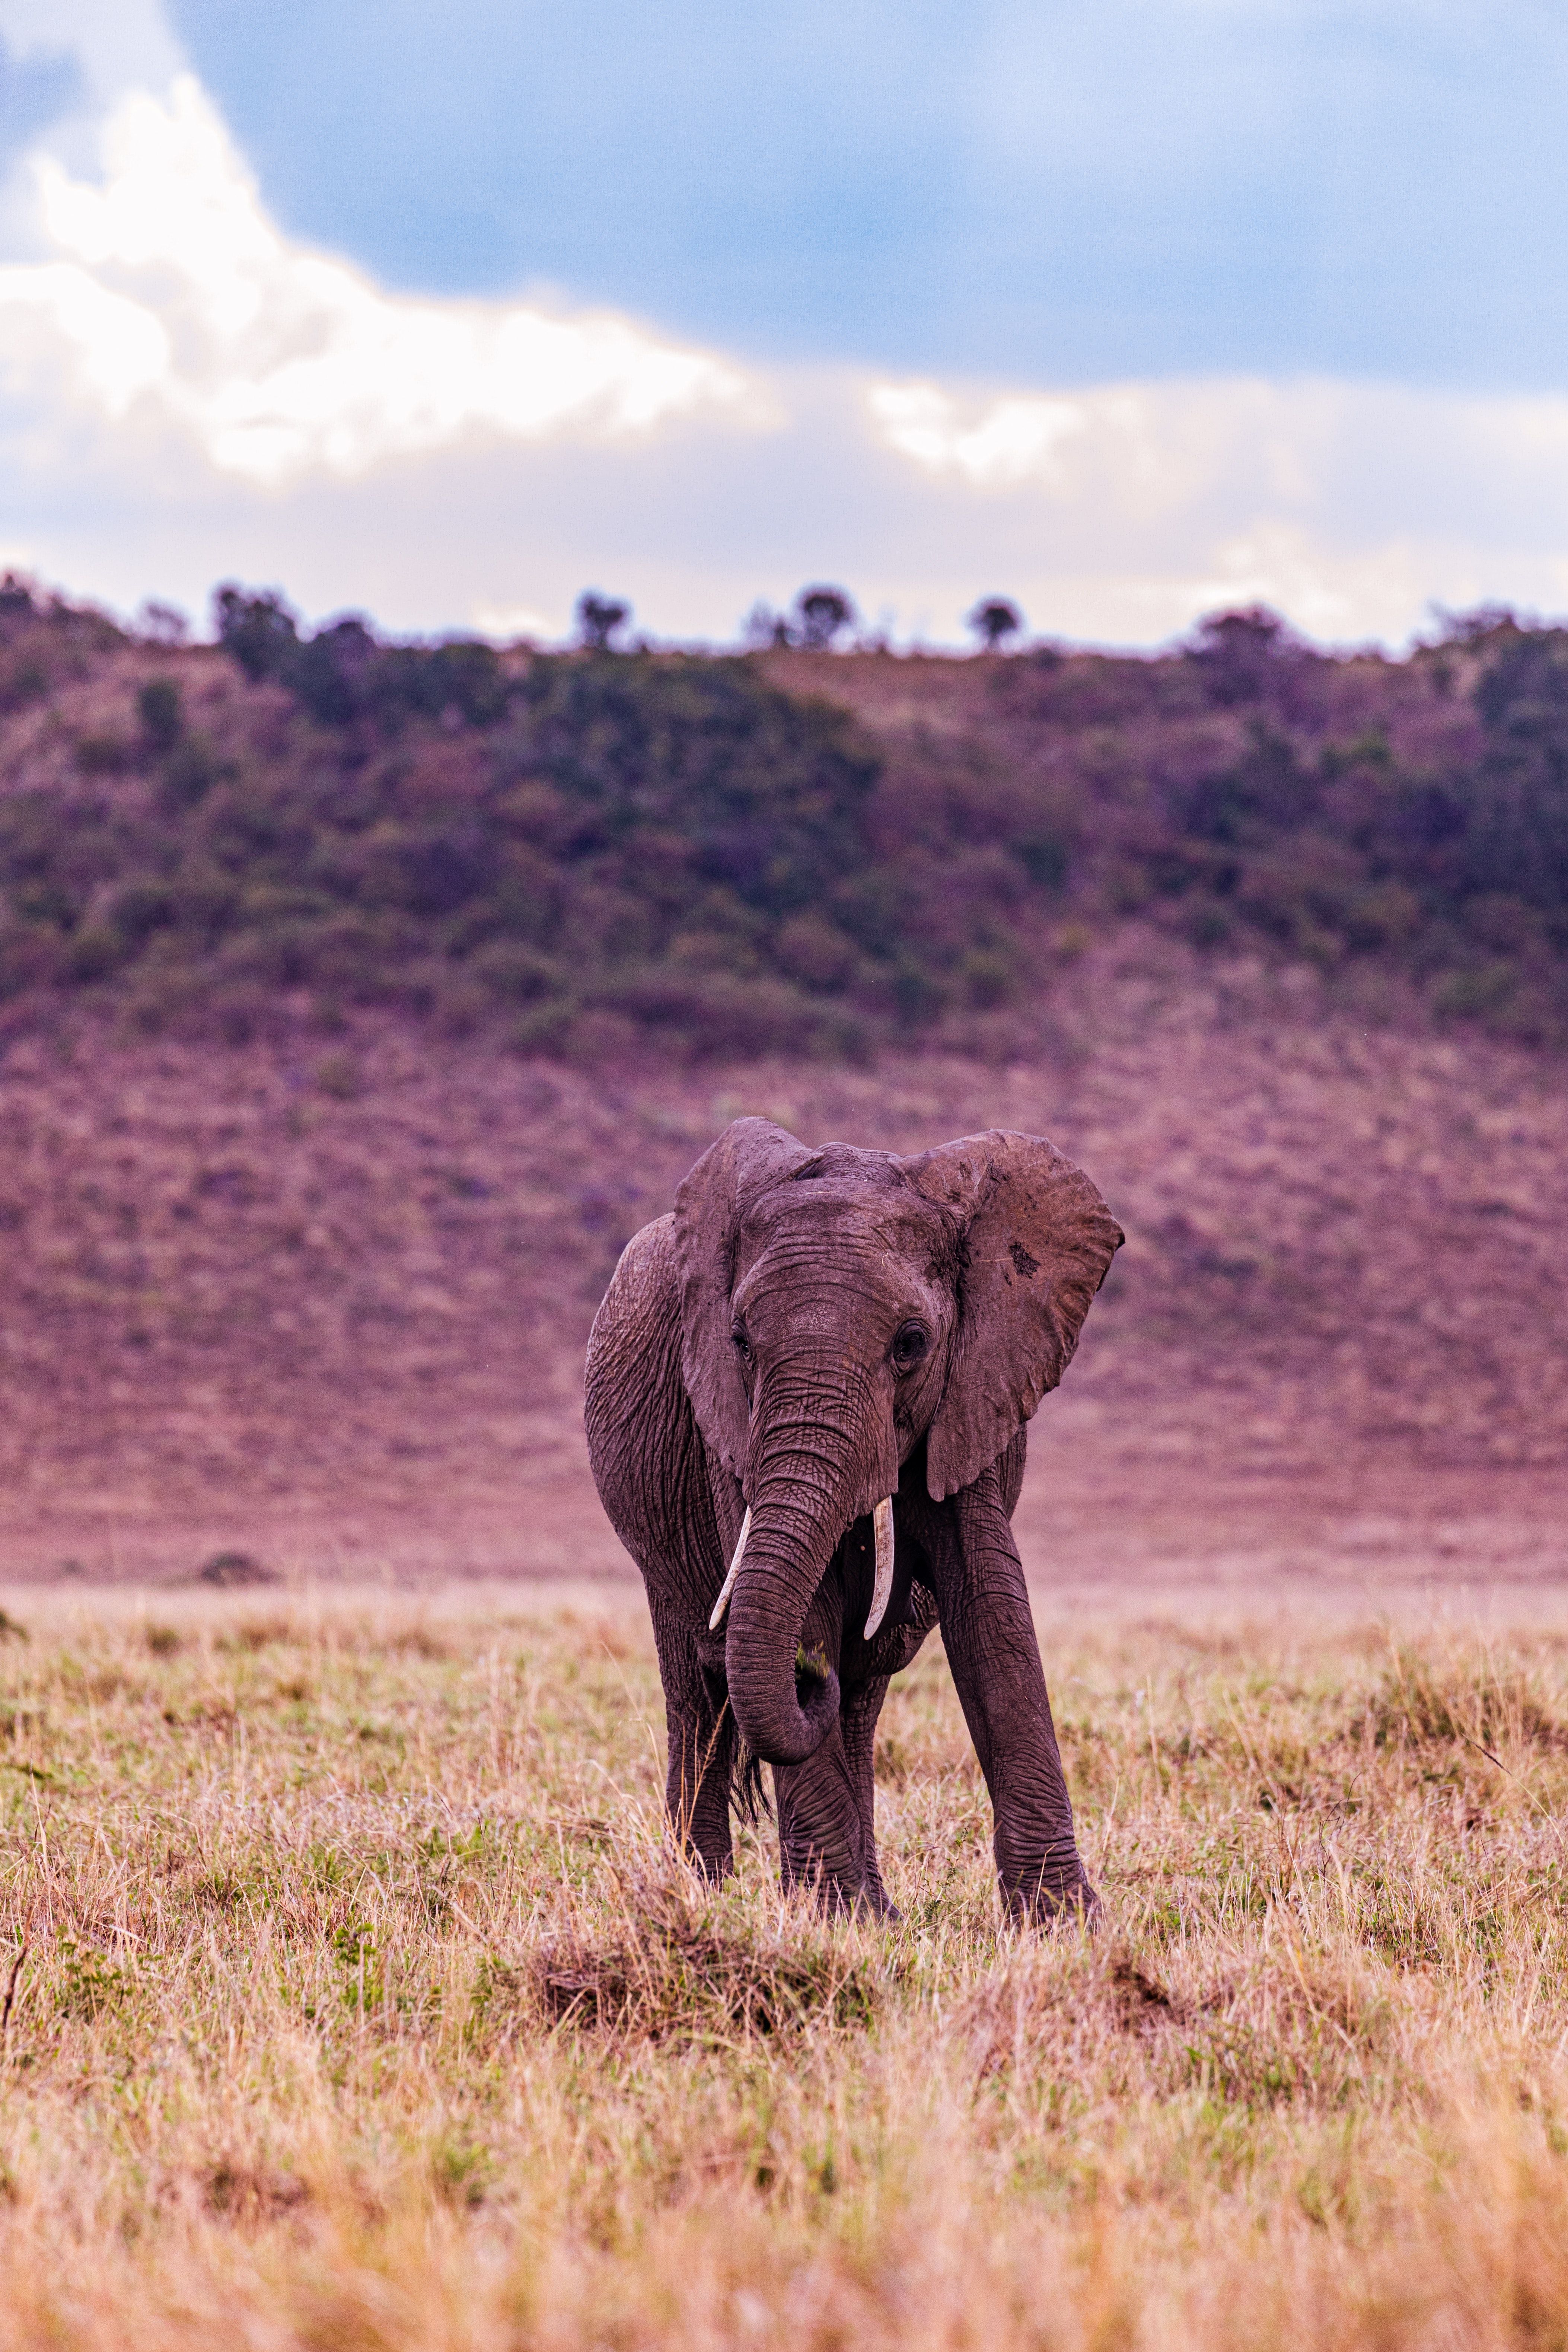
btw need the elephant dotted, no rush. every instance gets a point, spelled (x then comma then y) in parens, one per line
(805, 1403)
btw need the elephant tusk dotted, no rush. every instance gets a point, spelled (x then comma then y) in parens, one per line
(882, 1591)
(723, 1600)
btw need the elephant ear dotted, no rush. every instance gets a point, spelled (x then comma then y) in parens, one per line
(1038, 1241)
(749, 1158)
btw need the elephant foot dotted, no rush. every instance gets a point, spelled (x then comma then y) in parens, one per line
(1069, 1904)
(712, 1868)
(872, 1904)
(1077, 1906)
(866, 1901)
(864, 1904)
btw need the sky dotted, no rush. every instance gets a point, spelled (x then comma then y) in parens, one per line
(1128, 310)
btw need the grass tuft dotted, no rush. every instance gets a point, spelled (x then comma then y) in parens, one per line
(1475, 1703)
(680, 1976)
(247, 2198)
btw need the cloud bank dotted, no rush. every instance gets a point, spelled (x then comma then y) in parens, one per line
(175, 289)
(187, 393)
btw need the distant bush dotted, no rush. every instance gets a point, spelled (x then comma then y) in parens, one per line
(1448, 849)
(600, 620)
(1237, 655)
(345, 675)
(161, 713)
(582, 848)
(994, 620)
(822, 616)
(664, 844)
(260, 631)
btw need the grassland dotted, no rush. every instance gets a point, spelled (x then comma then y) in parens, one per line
(354, 2002)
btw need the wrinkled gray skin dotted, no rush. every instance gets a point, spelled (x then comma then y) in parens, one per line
(809, 1332)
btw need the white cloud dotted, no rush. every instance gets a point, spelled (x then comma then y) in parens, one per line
(172, 287)
(114, 348)
(186, 393)
(1350, 505)
(507, 622)
(1012, 440)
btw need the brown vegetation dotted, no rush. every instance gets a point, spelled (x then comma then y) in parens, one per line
(794, 851)
(353, 1998)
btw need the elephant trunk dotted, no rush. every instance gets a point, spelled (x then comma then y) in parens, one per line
(809, 1467)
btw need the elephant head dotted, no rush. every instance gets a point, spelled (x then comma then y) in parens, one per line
(843, 1311)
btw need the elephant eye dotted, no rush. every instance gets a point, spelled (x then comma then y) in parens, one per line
(911, 1342)
(737, 1337)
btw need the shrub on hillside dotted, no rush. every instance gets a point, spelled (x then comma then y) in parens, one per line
(345, 674)
(565, 854)
(587, 847)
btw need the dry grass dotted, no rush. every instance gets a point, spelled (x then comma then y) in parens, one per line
(356, 2004)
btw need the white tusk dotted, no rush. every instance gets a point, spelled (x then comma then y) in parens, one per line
(883, 1591)
(723, 1600)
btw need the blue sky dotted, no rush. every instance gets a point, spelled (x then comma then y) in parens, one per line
(1128, 309)
(1058, 190)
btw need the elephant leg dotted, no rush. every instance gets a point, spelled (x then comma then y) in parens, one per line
(988, 1629)
(859, 1723)
(701, 1754)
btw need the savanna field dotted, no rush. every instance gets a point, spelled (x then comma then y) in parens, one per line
(357, 1002)
(355, 1999)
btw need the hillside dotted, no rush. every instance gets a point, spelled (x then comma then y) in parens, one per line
(580, 855)
(344, 1043)
(329, 1308)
